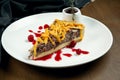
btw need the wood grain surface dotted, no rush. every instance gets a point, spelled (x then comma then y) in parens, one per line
(105, 68)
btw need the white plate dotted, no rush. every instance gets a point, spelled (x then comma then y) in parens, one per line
(97, 40)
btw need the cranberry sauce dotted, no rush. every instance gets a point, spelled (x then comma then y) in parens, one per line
(58, 55)
(45, 57)
(67, 54)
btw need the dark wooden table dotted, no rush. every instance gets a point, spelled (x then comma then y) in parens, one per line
(104, 68)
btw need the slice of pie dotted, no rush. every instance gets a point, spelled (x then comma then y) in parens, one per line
(57, 36)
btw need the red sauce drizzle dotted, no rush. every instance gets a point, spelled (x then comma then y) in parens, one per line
(30, 38)
(30, 30)
(33, 42)
(46, 26)
(58, 56)
(67, 54)
(45, 57)
(84, 52)
(38, 31)
(79, 51)
(37, 34)
(40, 27)
(71, 45)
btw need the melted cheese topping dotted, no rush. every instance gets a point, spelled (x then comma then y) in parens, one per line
(58, 29)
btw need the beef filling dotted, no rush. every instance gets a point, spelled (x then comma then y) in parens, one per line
(70, 35)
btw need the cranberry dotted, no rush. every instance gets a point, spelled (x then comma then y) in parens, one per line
(84, 52)
(78, 51)
(44, 58)
(30, 38)
(46, 26)
(58, 56)
(37, 34)
(40, 27)
(30, 31)
(33, 42)
(67, 54)
(38, 31)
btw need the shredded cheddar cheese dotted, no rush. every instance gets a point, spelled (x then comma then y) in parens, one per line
(58, 29)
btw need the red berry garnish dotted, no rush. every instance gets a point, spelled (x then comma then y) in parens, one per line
(74, 50)
(40, 27)
(30, 38)
(30, 30)
(38, 31)
(67, 54)
(84, 52)
(37, 34)
(78, 51)
(46, 26)
(33, 42)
